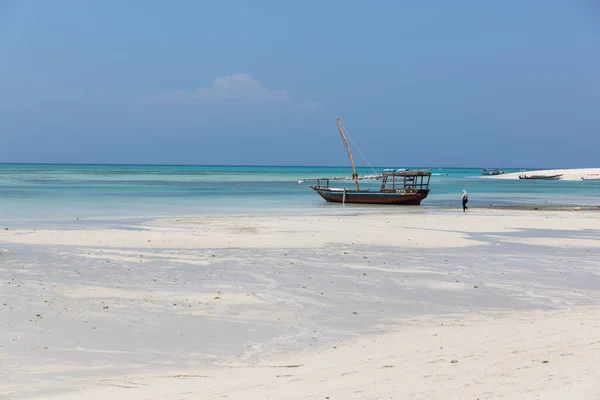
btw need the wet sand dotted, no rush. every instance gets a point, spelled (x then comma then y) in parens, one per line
(489, 304)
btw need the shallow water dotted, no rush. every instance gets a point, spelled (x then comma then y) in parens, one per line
(62, 192)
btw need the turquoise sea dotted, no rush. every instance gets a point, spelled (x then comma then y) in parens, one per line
(62, 192)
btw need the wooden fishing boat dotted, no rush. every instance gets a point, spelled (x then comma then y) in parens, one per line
(398, 187)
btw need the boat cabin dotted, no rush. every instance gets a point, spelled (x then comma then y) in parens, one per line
(405, 181)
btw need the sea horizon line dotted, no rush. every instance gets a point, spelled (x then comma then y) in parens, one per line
(270, 166)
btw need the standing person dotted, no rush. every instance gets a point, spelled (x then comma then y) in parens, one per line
(465, 200)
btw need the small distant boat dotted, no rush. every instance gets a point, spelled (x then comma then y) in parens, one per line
(398, 187)
(591, 177)
(497, 171)
(395, 170)
(543, 177)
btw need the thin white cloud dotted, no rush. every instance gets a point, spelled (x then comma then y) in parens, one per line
(309, 105)
(244, 88)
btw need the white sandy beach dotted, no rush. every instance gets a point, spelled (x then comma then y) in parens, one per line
(574, 174)
(410, 304)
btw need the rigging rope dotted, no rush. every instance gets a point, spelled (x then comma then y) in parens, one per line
(358, 148)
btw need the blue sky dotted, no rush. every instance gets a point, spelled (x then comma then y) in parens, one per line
(436, 83)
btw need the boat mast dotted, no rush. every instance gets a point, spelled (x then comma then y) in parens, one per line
(354, 174)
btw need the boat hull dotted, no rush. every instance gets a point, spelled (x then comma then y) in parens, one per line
(365, 197)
